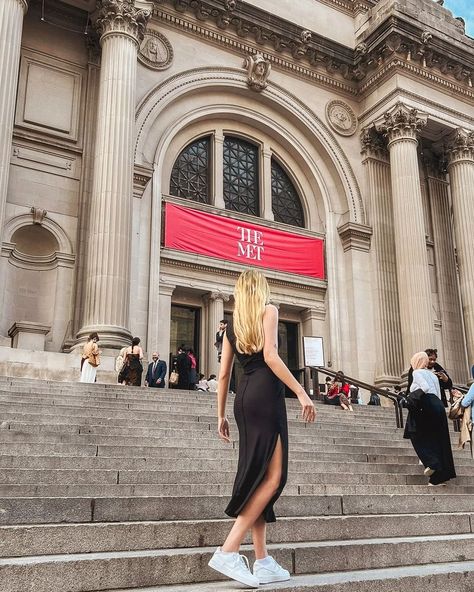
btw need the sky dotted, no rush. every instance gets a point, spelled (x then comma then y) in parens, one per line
(464, 8)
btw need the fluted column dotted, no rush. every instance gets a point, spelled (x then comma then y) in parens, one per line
(401, 125)
(461, 176)
(11, 26)
(121, 27)
(215, 314)
(454, 353)
(389, 364)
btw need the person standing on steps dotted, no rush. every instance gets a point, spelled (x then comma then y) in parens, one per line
(90, 359)
(429, 432)
(156, 372)
(220, 338)
(132, 366)
(183, 368)
(260, 414)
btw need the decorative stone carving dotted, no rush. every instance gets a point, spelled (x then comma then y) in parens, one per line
(155, 51)
(426, 37)
(373, 144)
(38, 215)
(305, 36)
(460, 145)
(258, 71)
(121, 16)
(341, 118)
(401, 121)
(230, 5)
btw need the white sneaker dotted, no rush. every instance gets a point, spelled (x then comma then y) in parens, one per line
(270, 572)
(428, 471)
(234, 566)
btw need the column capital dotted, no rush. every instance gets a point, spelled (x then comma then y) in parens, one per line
(460, 146)
(217, 295)
(23, 4)
(121, 17)
(313, 314)
(166, 289)
(373, 144)
(401, 122)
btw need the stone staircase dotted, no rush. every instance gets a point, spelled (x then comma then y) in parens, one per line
(104, 487)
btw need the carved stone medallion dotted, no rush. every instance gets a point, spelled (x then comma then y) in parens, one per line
(155, 51)
(341, 118)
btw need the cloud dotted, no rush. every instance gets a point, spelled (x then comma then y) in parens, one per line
(465, 9)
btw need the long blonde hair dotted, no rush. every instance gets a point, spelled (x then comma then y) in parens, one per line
(251, 294)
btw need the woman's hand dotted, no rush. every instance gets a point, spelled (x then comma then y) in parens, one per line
(308, 412)
(223, 429)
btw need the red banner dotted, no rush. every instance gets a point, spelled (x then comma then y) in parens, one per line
(198, 232)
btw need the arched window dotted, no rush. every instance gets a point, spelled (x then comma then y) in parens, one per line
(286, 204)
(190, 174)
(241, 186)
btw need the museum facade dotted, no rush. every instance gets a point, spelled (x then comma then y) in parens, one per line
(150, 151)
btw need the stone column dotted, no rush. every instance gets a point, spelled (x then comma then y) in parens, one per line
(461, 176)
(215, 313)
(266, 184)
(163, 330)
(121, 27)
(388, 340)
(11, 26)
(401, 125)
(218, 172)
(454, 352)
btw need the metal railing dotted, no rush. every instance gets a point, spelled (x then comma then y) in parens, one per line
(369, 387)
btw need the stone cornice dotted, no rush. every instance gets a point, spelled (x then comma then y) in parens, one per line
(395, 44)
(460, 147)
(121, 17)
(355, 237)
(401, 122)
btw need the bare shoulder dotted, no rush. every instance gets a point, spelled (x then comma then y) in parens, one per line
(271, 311)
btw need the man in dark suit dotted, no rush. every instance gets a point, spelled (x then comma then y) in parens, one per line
(155, 375)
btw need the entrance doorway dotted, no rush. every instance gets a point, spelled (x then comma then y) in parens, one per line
(185, 330)
(288, 349)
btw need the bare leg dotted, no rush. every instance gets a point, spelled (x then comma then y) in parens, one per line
(259, 538)
(254, 507)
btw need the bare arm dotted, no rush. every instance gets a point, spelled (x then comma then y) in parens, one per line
(225, 372)
(278, 367)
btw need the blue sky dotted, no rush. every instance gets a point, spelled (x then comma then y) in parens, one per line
(464, 8)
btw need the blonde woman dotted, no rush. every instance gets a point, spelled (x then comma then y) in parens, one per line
(427, 427)
(260, 413)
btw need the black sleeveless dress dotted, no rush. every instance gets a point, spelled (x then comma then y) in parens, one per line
(260, 413)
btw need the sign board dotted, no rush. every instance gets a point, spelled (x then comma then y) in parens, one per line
(313, 351)
(195, 231)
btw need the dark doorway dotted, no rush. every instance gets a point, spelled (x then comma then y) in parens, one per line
(288, 349)
(185, 330)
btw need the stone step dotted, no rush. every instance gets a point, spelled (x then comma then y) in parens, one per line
(91, 537)
(56, 452)
(196, 429)
(330, 464)
(80, 572)
(127, 446)
(182, 438)
(222, 489)
(452, 577)
(46, 510)
(65, 415)
(168, 398)
(123, 409)
(204, 477)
